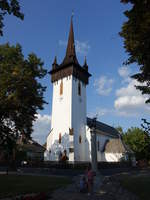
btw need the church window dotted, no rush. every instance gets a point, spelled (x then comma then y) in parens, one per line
(70, 131)
(80, 139)
(98, 146)
(71, 150)
(59, 138)
(61, 88)
(79, 88)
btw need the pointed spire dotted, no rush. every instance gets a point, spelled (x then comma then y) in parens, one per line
(85, 62)
(70, 51)
(85, 66)
(54, 65)
(55, 60)
(71, 44)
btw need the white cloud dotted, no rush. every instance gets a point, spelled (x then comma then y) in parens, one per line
(124, 72)
(103, 85)
(82, 48)
(41, 128)
(62, 43)
(130, 101)
(99, 112)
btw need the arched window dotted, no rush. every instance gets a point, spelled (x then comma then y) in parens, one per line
(80, 139)
(61, 88)
(79, 88)
(59, 138)
(70, 131)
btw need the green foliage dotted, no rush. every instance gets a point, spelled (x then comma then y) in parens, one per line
(146, 126)
(10, 7)
(21, 93)
(136, 34)
(139, 142)
(120, 130)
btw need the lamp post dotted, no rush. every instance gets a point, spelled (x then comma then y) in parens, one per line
(93, 145)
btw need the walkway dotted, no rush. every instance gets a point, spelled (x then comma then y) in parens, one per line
(106, 188)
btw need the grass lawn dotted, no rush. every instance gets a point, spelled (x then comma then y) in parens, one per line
(138, 184)
(11, 185)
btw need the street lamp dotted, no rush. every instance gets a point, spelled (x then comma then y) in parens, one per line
(93, 144)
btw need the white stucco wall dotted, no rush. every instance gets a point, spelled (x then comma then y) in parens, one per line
(113, 157)
(79, 119)
(102, 140)
(68, 111)
(61, 118)
(101, 156)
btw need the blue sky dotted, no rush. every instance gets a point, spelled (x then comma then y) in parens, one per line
(44, 31)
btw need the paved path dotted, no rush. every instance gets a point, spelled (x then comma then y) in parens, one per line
(105, 188)
(72, 191)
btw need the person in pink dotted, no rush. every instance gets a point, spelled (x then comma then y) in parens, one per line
(90, 179)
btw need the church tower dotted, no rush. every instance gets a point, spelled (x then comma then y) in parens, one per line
(68, 123)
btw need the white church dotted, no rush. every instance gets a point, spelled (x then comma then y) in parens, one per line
(70, 127)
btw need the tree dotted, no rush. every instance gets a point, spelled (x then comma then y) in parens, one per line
(120, 130)
(9, 7)
(139, 142)
(146, 126)
(136, 34)
(21, 93)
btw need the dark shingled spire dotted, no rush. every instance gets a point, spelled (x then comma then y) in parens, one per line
(70, 57)
(85, 66)
(71, 45)
(55, 65)
(70, 65)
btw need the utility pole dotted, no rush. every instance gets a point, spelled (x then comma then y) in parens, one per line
(93, 145)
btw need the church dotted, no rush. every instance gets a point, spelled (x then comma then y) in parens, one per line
(70, 127)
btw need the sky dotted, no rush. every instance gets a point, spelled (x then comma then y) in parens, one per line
(111, 94)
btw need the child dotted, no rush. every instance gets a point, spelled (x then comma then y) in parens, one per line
(90, 177)
(83, 184)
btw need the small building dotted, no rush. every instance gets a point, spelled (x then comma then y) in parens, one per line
(110, 147)
(30, 150)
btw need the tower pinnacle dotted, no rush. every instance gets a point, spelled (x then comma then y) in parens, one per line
(71, 44)
(70, 56)
(70, 64)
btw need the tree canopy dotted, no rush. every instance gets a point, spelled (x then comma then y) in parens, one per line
(136, 34)
(120, 130)
(10, 7)
(21, 93)
(139, 142)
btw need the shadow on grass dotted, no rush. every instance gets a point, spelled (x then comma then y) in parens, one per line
(12, 185)
(138, 184)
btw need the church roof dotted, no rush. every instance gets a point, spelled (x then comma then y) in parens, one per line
(70, 64)
(104, 128)
(70, 51)
(114, 146)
